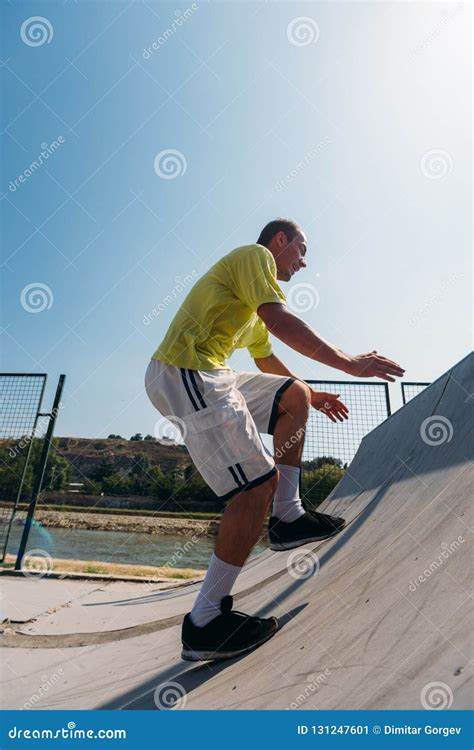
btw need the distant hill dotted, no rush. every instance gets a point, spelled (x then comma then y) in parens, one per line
(85, 454)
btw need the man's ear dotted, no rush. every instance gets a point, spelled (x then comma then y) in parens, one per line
(281, 239)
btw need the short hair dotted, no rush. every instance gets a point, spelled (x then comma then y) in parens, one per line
(290, 228)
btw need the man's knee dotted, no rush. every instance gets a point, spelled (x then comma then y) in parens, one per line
(296, 398)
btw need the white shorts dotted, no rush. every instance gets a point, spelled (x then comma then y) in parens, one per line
(220, 414)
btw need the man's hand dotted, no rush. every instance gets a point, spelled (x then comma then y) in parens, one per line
(373, 365)
(330, 405)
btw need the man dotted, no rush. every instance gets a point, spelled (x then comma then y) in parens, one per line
(236, 304)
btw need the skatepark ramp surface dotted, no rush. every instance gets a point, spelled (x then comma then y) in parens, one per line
(376, 618)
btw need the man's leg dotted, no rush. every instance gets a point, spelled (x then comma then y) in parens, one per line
(239, 529)
(242, 522)
(288, 441)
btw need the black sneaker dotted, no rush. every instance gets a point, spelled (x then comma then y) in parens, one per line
(312, 527)
(227, 635)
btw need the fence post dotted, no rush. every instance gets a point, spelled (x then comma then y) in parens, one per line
(40, 473)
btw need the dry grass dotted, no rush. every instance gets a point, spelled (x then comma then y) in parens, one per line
(57, 565)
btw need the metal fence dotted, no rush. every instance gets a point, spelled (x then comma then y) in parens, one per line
(24, 446)
(330, 447)
(410, 390)
(21, 396)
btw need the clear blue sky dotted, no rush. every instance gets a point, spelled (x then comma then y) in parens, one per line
(356, 122)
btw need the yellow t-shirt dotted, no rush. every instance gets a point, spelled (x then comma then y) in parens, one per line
(219, 313)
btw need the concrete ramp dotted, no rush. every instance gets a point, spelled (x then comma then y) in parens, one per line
(379, 617)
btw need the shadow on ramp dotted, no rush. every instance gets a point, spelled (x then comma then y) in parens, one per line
(167, 689)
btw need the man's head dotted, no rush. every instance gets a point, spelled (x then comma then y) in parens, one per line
(287, 243)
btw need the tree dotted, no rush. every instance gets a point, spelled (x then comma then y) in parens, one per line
(149, 437)
(104, 469)
(136, 437)
(58, 470)
(91, 488)
(114, 437)
(317, 484)
(141, 481)
(114, 484)
(319, 461)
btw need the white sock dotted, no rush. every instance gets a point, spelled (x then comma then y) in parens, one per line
(287, 502)
(220, 578)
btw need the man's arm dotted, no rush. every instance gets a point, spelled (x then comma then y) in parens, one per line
(274, 366)
(299, 336)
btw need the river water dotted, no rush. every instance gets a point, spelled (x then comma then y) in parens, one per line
(119, 546)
